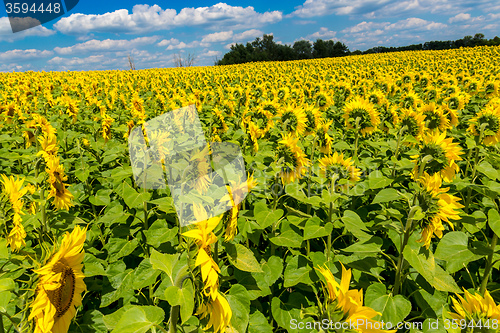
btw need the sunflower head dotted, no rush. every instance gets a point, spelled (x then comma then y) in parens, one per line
(292, 158)
(60, 285)
(361, 113)
(293, 120)
(413, 122)
(475, 307)
(489, 121)
(437, 155)
(339, 168)
(437, 206)
(435, 119)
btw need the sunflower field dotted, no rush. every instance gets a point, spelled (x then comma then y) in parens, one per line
(373, 199)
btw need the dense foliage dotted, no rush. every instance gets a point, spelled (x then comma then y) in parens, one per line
(374, 196)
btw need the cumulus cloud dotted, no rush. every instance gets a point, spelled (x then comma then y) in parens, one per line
(6, 33)
(218, 37)
(145, 18)
(390, 8)
(210, 53)
(323, 33)
(18, 55)
(106, 45)
(249, 34)
(175, 44)
(459, 18)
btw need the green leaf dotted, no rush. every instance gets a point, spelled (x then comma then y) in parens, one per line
(486, 169)
(4, 251)
(164, 262)
(242, 258)
(139, 319)
(386, 195)
(377, 180)
(183, 297)
(371, 245)
(393, 309)
(101, 198)
(159, 233)
(118, 248)
(132, 198)
(494, 221)
(313, 228)
(453, 248)
(258, 324)
(264, 216)
(288, 317)
(423, 262)
(297, 271)
(5, 297)
(145, 275)
(239, 302)
(7, 284)
(288, 238)
(354, 224)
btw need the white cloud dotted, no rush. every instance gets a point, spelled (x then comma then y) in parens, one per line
(389, 8)
(415, 23)
(459, 18)
(249, 34)
(106, 45)
(6, 33)
(145, 18)
(218, 37)
(323, 33)
(24, 54)
(211, 53)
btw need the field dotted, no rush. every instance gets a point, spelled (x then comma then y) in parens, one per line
(373, 198)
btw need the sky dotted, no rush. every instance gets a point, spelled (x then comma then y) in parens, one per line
(100, 35)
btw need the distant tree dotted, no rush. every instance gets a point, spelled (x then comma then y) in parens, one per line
(303, 49)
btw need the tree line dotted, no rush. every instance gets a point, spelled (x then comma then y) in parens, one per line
(266, 49)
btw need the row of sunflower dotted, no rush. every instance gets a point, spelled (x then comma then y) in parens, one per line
(385, 164)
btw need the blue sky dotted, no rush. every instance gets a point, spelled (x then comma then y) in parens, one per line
(99, 35)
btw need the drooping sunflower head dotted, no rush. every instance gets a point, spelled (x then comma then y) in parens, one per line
(323, 139)
(491, 89)
(361, 113)
(410, 100)
(60, 285)
(437, 155)
(341, 169)
(437, 206)
(292, 158)
(475, 307)
(489, 120)
(413, 122)
(435, 119)
(293, 120)
(313, 117)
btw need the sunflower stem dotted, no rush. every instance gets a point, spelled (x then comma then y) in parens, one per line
(396, 153)
(474, 169)
(489, 264)
(356, 140)
(404, 242)
(330, 212)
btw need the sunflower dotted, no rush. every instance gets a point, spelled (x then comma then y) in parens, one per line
(362, 112)
(444, 153)
(62, 197)
(323, 139)
(204, 236)
(60, 285)
(313, 119)
(293, 160)
(219, 312)
(489, 119)
(437, 206)
(106, 127)
(474, 308)
(410, 100)
(435, 119)
(200, 169)
(293, 120)
(413, 121)
(348, 303)
(339, 168)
